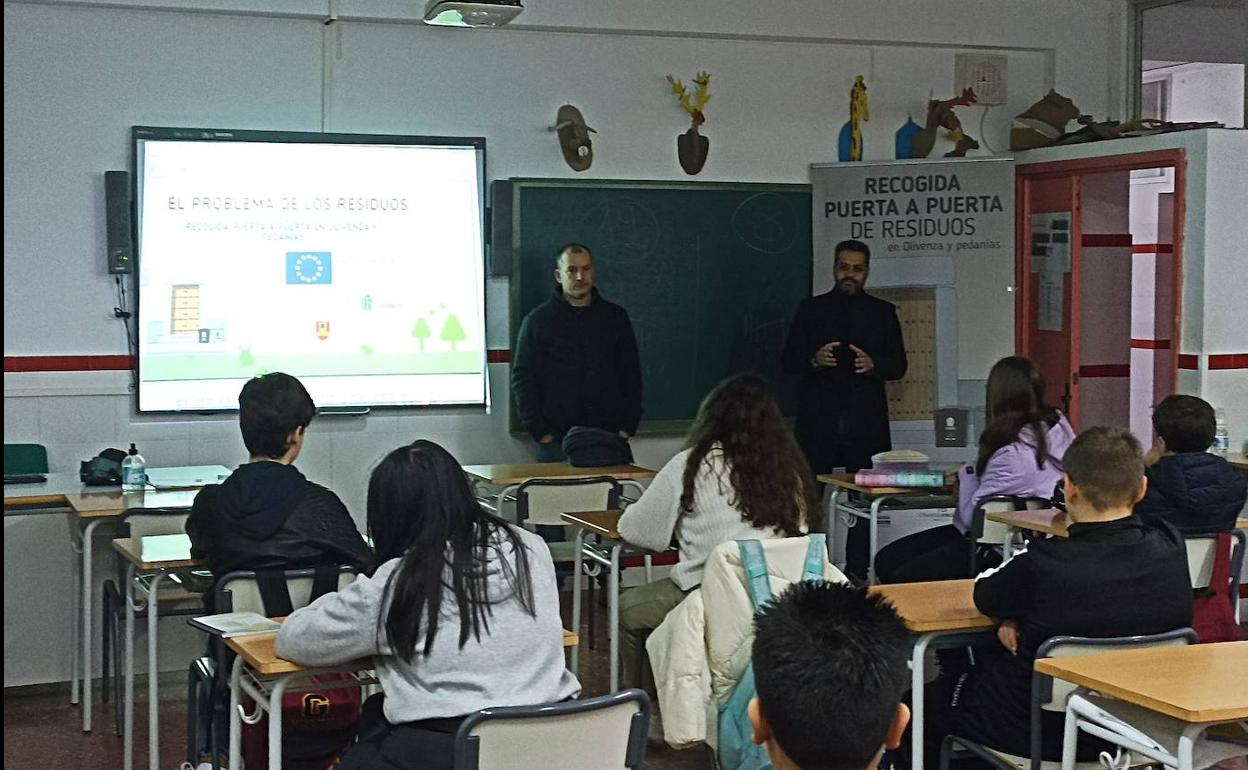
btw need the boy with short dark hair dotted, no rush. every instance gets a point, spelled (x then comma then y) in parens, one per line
(267, 515)
(1112, 576)
(829, 671)
(1194, 490)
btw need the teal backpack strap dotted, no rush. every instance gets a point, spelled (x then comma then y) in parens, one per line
(754, 562)
(814, 556)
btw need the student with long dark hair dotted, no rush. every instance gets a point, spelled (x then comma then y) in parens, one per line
(740, 476)
(461, 614)
(1020, 453)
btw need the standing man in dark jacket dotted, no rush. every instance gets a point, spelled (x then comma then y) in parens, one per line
(844, 345)
(267, 515)
(576, 361)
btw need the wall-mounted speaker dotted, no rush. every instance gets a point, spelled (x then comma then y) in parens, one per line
(118, 222)
(500, 228)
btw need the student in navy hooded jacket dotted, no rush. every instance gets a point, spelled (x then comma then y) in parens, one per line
(1194, 490)
(267, 515)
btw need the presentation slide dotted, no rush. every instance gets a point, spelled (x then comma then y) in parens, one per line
(356, 267)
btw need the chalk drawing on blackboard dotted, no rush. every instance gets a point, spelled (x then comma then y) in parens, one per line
(766, 222)
(624, 224)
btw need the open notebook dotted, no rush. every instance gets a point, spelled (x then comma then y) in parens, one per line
(229, 624)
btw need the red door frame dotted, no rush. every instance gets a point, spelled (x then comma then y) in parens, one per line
(1026, 172)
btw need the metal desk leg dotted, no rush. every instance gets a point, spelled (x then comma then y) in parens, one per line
(873, 532)
(75, 541)
(87, 534)
(128, 719)
(917, 681)
(613, 611)
(1070, 736)
(236, 714)
(153, 679)
(575, 654)
(510, 489)
(275, 723)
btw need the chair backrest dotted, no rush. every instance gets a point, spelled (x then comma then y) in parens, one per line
(1200, 555)
(146, 522)
(605, 732)
(540, 501)
(25, 458)
(1049, 694)
(239, 591)
(995, 533)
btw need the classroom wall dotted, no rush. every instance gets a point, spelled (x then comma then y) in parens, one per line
(79, 73)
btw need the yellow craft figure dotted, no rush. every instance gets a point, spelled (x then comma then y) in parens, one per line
(859, 111)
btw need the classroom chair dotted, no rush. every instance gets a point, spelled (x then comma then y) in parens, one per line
(607, 731)
(991, 534)
(208, 685)
(1049, 694)
(25, 458)
(1201, 552)
(180, 595)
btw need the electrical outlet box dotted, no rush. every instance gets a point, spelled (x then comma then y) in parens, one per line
(986, 74)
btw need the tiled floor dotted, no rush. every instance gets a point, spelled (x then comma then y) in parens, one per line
(42, 731)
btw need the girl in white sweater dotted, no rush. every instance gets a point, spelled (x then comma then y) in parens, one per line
(462, 614)
(740, 476)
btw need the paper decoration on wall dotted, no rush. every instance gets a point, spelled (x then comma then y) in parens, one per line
(849, 144)
(940, 115)
(578, 150)
(691, 147)
(1042, 123)
(904, 139)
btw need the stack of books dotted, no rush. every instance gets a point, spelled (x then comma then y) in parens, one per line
(900, 468)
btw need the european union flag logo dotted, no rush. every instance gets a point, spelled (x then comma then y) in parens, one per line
(304, 267)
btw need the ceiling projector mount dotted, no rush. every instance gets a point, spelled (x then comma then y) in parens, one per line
(478, 13)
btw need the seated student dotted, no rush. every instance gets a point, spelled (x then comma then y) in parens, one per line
(461, 614)
(267, 514)
(1194, 490)
(1020, 453)
(741, 476)
(830, 666)
(1113, 576)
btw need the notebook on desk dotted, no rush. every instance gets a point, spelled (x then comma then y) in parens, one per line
(187, 476)
(228, 624)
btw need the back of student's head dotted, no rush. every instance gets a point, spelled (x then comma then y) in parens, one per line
(1013, 400)
(829, 670)
(269, 408)
(1106, 465)
(420, 508)
(1185, 423)
(771, 480)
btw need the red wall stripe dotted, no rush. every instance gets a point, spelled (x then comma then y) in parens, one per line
(1105, 370)
(126, 363)
(1152, 248)
(1189, 361)
(1150, 344)
(1229, 361)
(1103, 240)
(67, 363)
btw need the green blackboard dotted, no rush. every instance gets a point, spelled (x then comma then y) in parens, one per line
(710, 273)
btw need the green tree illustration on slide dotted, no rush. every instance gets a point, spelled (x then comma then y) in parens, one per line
(421, 332)
(453, 331)
(245, 358)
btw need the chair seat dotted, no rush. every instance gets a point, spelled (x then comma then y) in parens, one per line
(562, 552)
(1024, 763)
(1146, 726)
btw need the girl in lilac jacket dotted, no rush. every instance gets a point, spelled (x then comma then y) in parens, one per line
(1020, 453)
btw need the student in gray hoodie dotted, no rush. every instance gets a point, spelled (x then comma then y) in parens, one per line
(461, 614)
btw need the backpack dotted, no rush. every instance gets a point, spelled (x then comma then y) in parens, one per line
(319, 724)
(736, 749)
(1213, 615)
(596, 448)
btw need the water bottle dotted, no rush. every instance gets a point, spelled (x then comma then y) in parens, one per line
(133, 471)
(1221, 441)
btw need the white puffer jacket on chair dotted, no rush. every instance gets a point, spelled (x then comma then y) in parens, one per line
(703, 646)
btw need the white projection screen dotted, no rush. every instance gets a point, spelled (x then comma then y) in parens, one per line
(353, 262)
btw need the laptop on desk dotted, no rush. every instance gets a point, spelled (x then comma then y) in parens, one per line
(186, 476)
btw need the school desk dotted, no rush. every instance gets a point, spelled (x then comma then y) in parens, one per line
(940, 613)
(1239, 461)
(258, 673)
(510, 477)
(841, 484)
(604, 524)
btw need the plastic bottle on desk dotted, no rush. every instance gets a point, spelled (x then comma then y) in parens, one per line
(133, 471)
(1221, 441)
